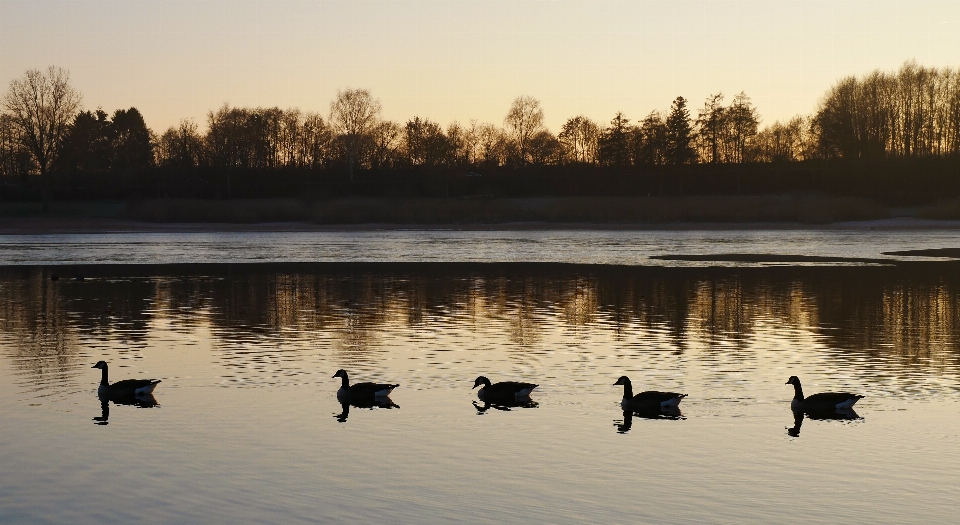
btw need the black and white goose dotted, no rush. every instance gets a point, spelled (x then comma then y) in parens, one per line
(648, 400)
(125, 388)
(506, 390)
(821, 401)
(361, 391)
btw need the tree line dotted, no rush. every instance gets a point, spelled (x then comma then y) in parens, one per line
(913, 112)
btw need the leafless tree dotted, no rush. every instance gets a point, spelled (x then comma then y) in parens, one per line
(353, 114)
(579, 138)
(42, 104)
(523, 121)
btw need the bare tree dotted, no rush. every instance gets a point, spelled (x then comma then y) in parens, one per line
(710, 127)
(524, 120)
(42, 105)
(353, 114)
(579, 137)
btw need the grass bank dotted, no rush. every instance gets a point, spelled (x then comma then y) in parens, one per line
(809, 209)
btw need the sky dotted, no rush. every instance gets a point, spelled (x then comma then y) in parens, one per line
(460, 60)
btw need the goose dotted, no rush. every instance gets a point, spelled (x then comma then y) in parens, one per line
(821, 401)
(648, 400)
(507, 390)
(125, 388)
(361, 390)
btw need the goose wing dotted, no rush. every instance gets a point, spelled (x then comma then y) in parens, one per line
(515, 388)
(655, 397)
(134, 386)
(372, 389)
(834, 399)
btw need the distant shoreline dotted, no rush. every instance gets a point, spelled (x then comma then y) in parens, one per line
(61, 225)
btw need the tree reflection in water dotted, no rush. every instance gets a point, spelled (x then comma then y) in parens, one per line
(891, 318)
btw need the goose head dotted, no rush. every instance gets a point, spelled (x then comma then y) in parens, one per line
(794, 380)
(100, 364)
(482, 380)
(341, 373)
(624, 380)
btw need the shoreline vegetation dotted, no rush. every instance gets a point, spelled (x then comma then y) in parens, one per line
(689, 212)
(885, 139)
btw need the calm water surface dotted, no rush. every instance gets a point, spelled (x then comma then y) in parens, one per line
(246, 430)
(573, 246)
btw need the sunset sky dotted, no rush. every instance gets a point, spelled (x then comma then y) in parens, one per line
(467, 59)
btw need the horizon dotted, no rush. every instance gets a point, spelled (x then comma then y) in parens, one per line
(469, 59)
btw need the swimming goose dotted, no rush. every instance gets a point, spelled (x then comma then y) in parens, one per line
(647, 400)
(361, 390)
(821, 401)
(127, 387)
(507, 390)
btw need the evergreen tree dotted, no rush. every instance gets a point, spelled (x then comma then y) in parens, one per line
(679, 134)
(615, 142)
(130, 141)
(86, 146)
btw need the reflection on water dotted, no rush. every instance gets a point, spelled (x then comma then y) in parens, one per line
(246, 354)
(840, 414)
(624, 425)
(505, 405)
(382, 402)
(888, 320)
(137, 400)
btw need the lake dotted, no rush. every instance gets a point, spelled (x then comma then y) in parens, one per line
(246, 330)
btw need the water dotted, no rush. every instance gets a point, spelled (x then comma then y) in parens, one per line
(246, 430)
(573, 246)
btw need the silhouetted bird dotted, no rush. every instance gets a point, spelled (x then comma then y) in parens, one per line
(645, 401)
(361, 391)
(125, 388)
(503, 392)
(822, 401)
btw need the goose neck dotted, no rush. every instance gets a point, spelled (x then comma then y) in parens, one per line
(797, 391)
(627, 390)
(103, 377)
(344, 382)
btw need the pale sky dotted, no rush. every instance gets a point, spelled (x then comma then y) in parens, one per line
(468, 59)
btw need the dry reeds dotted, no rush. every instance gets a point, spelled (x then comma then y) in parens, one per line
(599, 210)
(606, 210)
(243, 211)
(943, 210)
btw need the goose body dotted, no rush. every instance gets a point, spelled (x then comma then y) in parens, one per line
(506, 390)
(648, 400)
(125, 388)
(361, 391)
(821, 401)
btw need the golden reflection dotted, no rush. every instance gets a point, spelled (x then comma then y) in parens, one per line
(906, 316)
